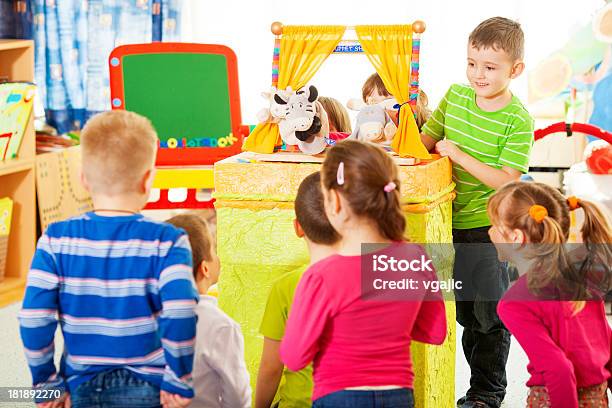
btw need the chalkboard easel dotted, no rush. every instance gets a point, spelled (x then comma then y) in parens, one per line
(189, 92)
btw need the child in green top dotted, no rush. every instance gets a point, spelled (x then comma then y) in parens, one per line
(487, 134)
(311, 223)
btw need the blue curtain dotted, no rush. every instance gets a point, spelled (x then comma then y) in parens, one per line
(15, 19)
(73, 39)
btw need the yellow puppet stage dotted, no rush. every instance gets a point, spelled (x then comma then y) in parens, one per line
(257, 244)
(255, 236)
(393, 51)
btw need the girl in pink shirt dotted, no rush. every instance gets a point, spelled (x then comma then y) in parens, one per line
(554, 309)
(359, 337)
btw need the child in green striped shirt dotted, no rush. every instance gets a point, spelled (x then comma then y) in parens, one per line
(487, 134)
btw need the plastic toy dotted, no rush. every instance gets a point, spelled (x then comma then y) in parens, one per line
(197, 117)
(598, 157)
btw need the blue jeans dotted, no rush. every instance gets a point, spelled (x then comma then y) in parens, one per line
(485, 340)
(396, 398)
(117, 388)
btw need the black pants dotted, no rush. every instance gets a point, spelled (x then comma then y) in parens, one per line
(486, 341)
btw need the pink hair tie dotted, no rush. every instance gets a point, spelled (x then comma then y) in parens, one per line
(390, 187)
(340, 174)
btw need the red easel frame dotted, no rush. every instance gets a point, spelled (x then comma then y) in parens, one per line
(190, 155)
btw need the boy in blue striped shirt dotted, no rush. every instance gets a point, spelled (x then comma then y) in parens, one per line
(120, 284)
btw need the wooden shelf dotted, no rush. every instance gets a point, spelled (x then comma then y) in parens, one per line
(11, 290)
(14, 44)
(15, 166)
(17, 179)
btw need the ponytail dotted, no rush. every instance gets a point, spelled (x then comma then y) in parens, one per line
(553, 262)
(577, 306)
(596, 228)
(597, 237)
(392, 222)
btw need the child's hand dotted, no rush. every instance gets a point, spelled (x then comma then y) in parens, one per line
(169, 400)
(449, 149)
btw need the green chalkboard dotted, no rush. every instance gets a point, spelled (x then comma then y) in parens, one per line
(188, 91)
(184, 95)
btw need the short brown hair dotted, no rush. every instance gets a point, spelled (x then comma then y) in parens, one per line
(373, 83)
(310, 212)
(200, 238)
(368, 169)
(499, 33)
(337, 114)
(118, 148)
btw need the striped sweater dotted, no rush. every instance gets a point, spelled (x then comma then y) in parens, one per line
(123, 291)
(497, 139)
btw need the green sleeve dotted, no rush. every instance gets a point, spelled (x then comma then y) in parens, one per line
(275, 315)
(434, 126)
(517, 148)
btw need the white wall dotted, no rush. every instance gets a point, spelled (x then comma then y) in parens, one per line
(244, 25)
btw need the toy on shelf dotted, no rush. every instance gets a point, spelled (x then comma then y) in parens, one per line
(197, 116)
(16, 102)
(6, 211)
(392, 50)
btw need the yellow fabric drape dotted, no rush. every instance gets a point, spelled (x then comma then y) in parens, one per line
(302, 52)
(389, 49)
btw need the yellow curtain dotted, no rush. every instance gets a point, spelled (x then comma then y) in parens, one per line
(302, 52)
(389, 49)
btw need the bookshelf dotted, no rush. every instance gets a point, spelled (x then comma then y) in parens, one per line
(17, 179)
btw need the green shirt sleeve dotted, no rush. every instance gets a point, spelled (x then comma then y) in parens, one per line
(434, 126)
(275, 315)
(517, 148)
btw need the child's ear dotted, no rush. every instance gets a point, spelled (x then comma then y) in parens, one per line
(517, 69)
(518, 236)
(84, 180)
(203, 271)
(336, 201)
(298, 229)
(147, 181)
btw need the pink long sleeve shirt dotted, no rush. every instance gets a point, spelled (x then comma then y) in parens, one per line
(565, 351)
(355, 342)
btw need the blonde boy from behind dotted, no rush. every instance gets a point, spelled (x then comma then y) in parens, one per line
(119, 282)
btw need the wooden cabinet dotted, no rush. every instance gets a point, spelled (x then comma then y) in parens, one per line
(17, 178)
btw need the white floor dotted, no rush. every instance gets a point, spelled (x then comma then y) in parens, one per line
(14, 371)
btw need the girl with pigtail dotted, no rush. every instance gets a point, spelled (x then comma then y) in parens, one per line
(359, 341)
(555, 309)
